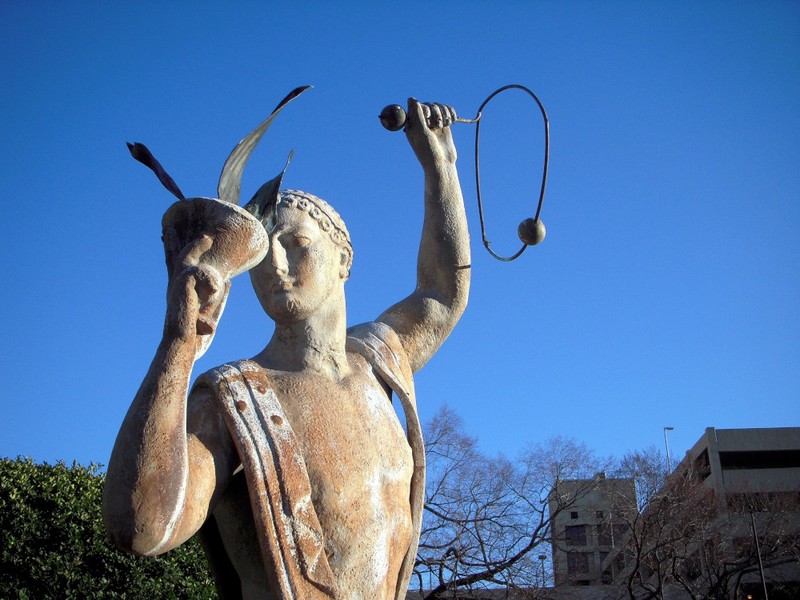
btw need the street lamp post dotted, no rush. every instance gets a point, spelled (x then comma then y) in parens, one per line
(758, 553)
(666, 445)
(543, 557)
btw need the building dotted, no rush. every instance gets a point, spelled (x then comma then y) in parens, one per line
(584, 531)
(728, 517)
(736, 462)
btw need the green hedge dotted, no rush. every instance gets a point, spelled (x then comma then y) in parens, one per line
(52, 542)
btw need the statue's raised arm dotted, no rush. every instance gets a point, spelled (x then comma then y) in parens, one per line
(426, 317)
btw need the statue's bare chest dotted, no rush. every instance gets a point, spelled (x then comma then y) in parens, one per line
(348, 430)
(359, 466)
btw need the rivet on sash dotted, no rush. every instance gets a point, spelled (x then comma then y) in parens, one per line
(261, 389)
(241, 405)
(276, 419)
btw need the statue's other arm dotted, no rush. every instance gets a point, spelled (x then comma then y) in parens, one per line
(425, 318)
(170, 461)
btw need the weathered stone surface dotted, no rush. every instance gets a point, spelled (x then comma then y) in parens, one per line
(291, 464)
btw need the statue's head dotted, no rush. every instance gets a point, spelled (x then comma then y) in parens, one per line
(309, 253)
(326, 217)
(309, 257)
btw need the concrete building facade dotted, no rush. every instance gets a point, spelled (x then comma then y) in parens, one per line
(584, 531)
(733, 462)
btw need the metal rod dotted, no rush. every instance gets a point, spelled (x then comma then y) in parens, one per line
(758, 553)
(666, 445)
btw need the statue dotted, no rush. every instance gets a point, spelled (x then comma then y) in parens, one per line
(292, 465)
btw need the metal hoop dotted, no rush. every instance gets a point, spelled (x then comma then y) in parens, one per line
(486, 242)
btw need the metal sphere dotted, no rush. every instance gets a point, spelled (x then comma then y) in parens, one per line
(531, 231)
(393, 117)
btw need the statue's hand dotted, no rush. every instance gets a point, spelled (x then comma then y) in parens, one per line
(196, 292)
(428, 132)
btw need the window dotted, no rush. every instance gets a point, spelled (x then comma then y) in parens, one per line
(575, 535)
(619, 562)
(702, 466)
(763, 501)
(573, 514)
(604, 536)
(619, 530)
(577, 563)
(599, 515)
(692, 568)
(760, 459)
(742, 547)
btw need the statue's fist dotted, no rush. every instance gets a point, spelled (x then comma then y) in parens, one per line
(196, 291)
(428, 132)
(394, 117)
(438, 115)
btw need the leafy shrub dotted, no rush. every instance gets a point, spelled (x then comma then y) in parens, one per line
(53, 545)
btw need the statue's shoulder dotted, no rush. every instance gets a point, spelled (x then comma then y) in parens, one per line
(228, 380)
(376, 335)
(381, 346)
(375, 330)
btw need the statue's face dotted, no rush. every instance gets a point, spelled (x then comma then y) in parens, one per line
(301, 270)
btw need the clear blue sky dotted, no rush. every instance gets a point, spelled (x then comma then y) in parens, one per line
(667, 291)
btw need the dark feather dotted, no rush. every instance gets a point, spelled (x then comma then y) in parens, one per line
(144, 156)
(263, 204)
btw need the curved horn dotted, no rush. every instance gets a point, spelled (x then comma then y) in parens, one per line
(231, 178)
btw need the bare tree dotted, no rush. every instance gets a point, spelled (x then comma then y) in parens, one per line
(684, 535)
(487, 518)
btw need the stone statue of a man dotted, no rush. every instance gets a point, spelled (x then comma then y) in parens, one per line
(293, 465)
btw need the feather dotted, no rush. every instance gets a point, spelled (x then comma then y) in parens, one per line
(144, 156)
